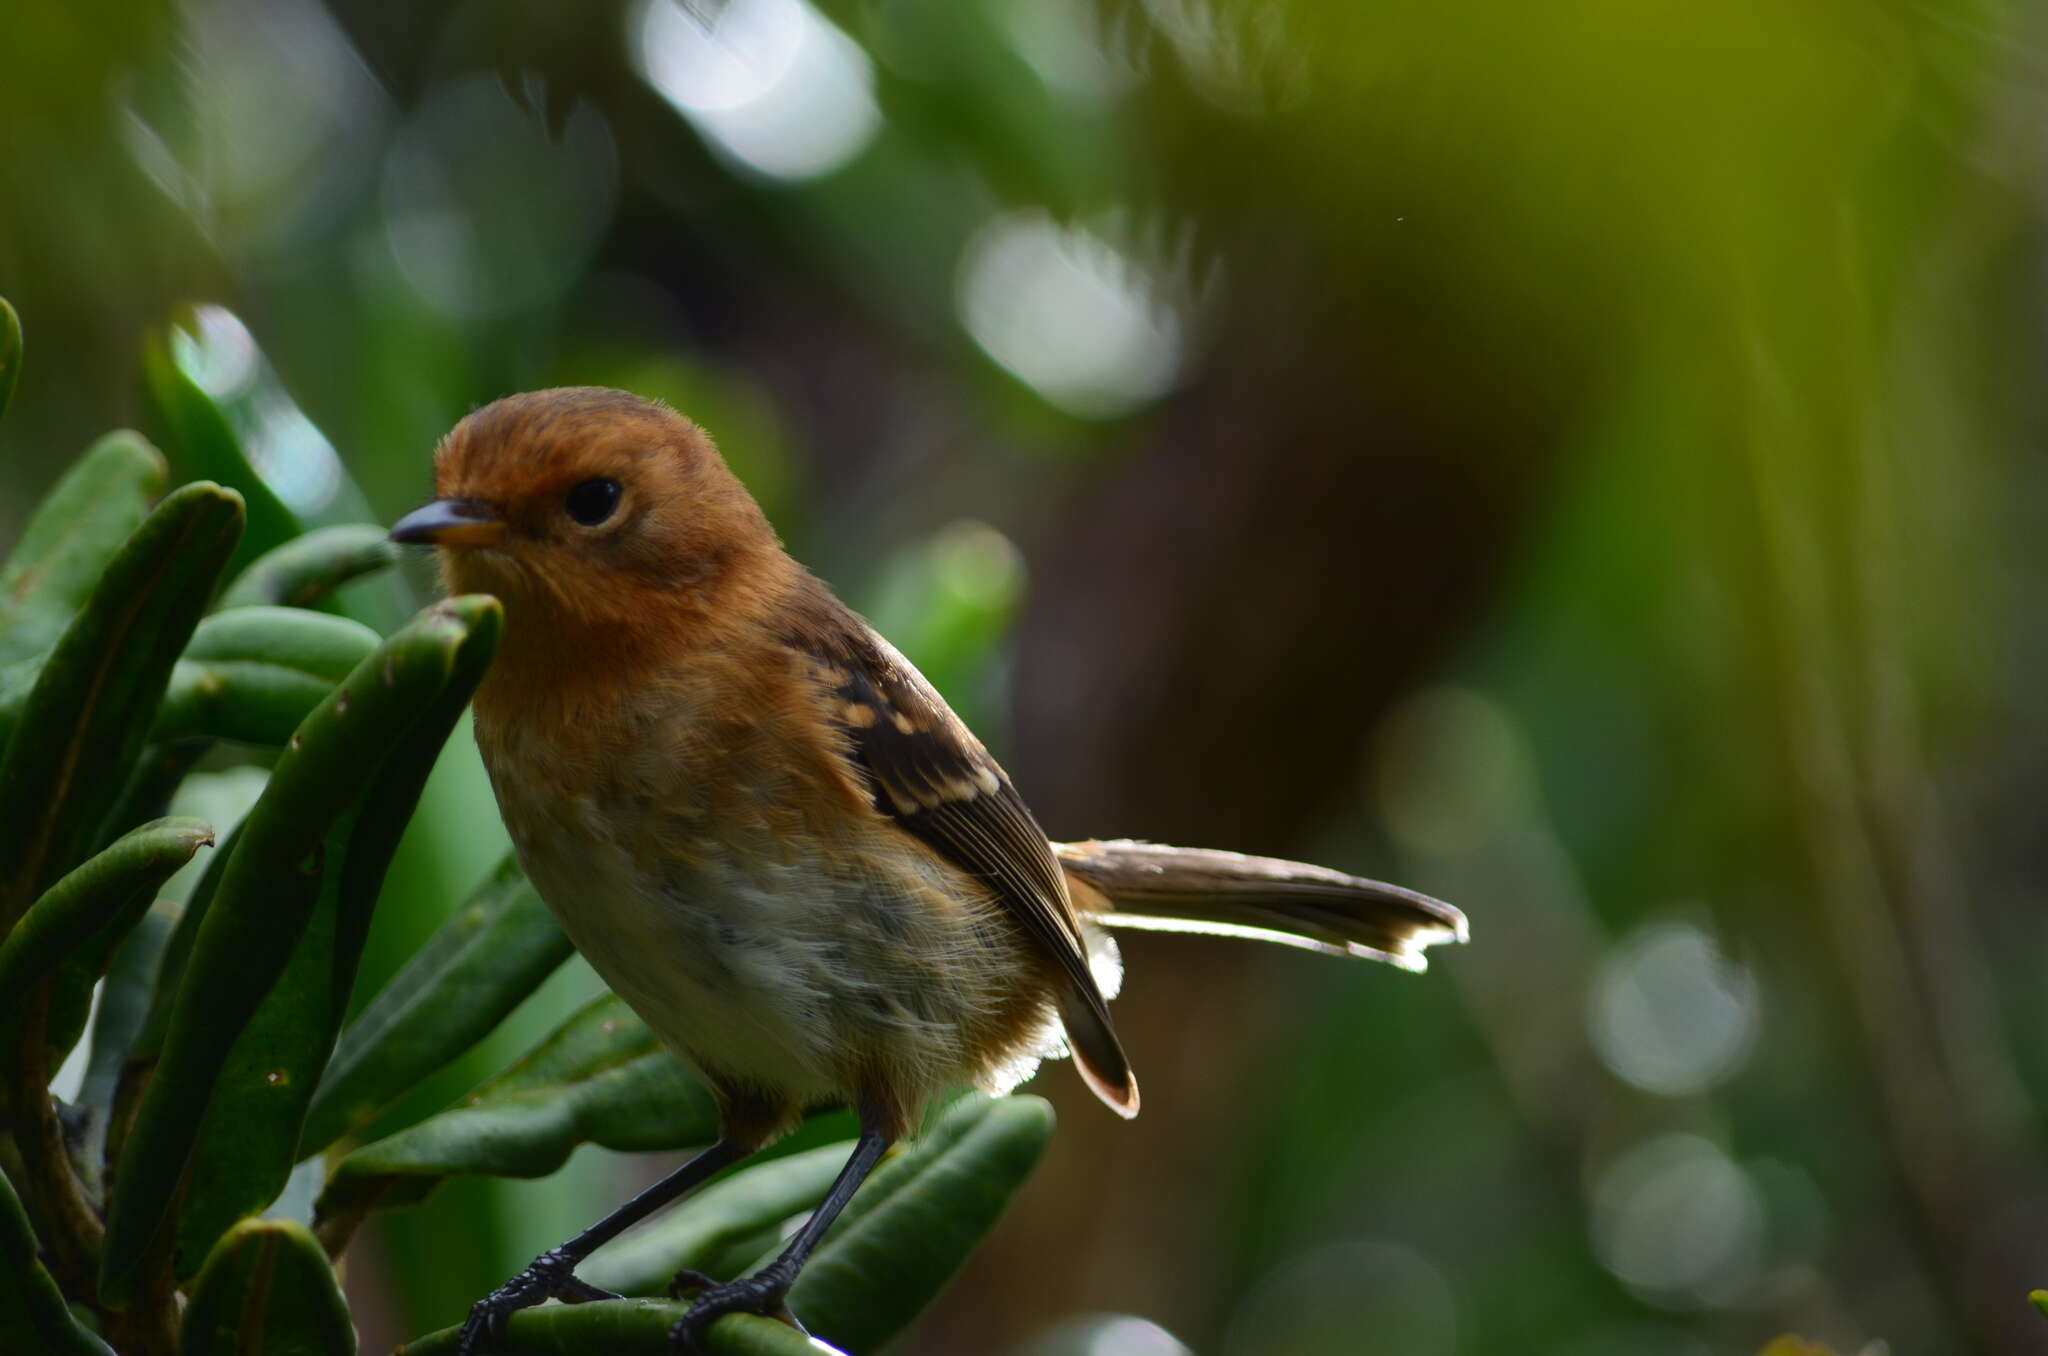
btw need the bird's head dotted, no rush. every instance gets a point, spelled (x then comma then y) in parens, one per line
(596, 516)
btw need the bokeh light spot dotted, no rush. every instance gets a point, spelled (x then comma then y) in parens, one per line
(1679, 1222)
(1107, 1335)
(1671, 1014)
(1068, 43)
(1087, 327)
(215, 349)
(771, 85)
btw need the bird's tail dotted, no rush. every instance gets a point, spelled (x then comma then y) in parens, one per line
(1125, 884)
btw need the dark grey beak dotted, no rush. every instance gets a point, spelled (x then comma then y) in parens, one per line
(450, 522)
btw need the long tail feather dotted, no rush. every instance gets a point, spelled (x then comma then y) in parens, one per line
(1149, 886)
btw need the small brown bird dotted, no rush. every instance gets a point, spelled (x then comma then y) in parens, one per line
(770, 835)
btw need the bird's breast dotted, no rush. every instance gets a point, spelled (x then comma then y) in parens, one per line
(758, 918)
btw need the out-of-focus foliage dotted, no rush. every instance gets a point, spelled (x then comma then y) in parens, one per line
(1576, 459)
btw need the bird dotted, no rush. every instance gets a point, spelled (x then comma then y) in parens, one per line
(770, 835)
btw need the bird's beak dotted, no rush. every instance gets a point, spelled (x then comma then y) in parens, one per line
(450, 522)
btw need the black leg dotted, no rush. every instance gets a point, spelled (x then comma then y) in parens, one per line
(763, 1292)
(552, 1274)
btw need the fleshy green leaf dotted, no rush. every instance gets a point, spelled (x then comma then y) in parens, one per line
(124, 1003)
(250, 1137)
(202, 444)
(75, 531)
(84, 723)
(33, 1315)
(908, 1230)
(306, 569)
(601, 1078)
(252, 674)
(469, 976)
(65, 941)
(626, 1328)
(270, 889)
(266, 1290)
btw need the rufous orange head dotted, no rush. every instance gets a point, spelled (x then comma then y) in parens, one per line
(587, 510)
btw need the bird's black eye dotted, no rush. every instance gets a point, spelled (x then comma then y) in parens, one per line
(593, 501)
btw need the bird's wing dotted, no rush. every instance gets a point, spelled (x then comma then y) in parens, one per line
(925, 770)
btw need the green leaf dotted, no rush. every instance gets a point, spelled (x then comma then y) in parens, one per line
(33, 1315)
(75, 531)
(124, 1003)
(249, 675)
(252, 674)
(84, 723)
(908, 1230)
(202, 445)
(271, 887)
(601, 1078)
(170, 973)
(305, 570)
(10, 352)
(251, 1134)
(266, 1290)
(705, 1228)
(469, 976)
(626, 1328)
(65, 941)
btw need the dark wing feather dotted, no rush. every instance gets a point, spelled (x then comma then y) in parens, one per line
(925, 770)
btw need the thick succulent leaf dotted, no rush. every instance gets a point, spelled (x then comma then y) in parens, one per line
(124, 1003)
(268, 892)
(10, 352)
(202, 444)
(251, 1135)
(601, 1078)
(170, 972)
(75, 531)
(306, 569)
(908, 1230)
(626, 1328)
(84, 723)
(33, 1315)
(470, 975)
(701, 1231)
(66, 940)
(266, 1290)
(254, 673)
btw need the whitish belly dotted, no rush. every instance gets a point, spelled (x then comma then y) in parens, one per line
(766, 965)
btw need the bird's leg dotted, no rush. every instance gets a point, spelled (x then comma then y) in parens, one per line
(763, 1292)
(552, 1274)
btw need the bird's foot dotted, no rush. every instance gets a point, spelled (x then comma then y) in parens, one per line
(552, 1275)
(762, 1293)
(689, 1281)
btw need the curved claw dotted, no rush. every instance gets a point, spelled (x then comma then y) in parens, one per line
(762, 1293)
(548, 1276)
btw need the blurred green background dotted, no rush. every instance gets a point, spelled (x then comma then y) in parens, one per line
(1579, 459)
